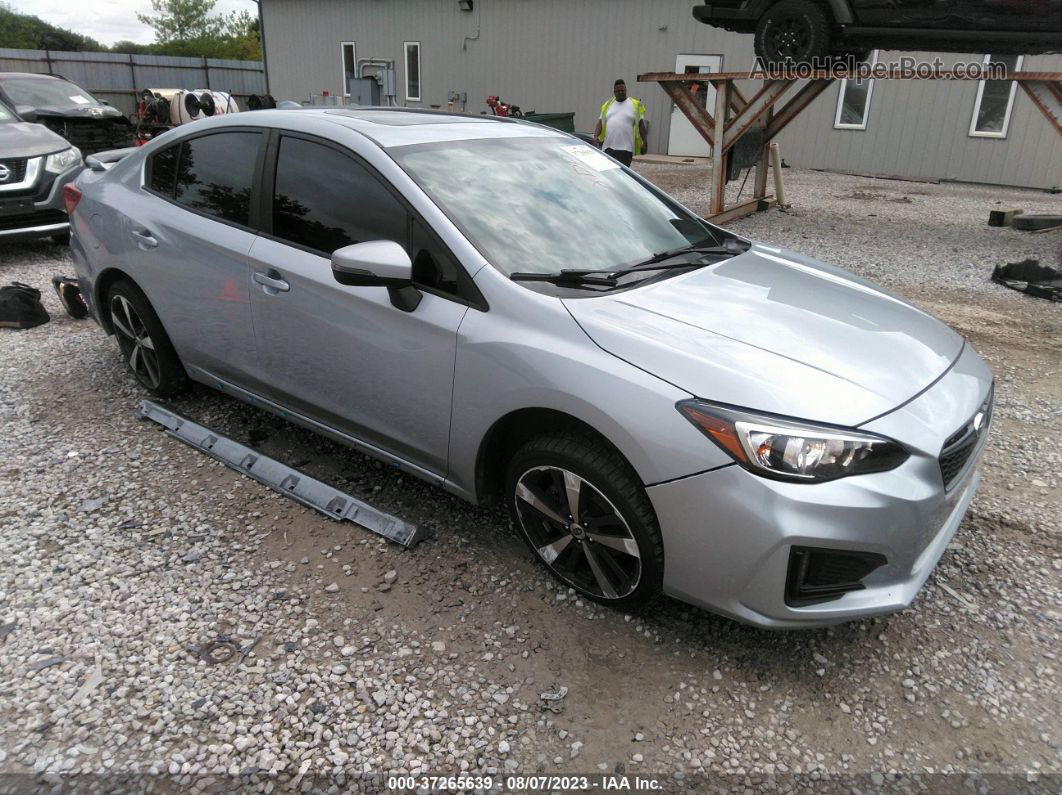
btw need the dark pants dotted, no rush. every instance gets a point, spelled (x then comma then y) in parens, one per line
(620, 155)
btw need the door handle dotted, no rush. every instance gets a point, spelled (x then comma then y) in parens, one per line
(271, 282)
(145, 239)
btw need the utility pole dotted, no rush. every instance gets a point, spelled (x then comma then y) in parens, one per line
(262, 43)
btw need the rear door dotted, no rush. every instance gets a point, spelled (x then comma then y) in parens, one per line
(189, 236)
(346, 356)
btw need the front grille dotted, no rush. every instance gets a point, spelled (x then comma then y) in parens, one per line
(16, 167)
(93, 135)
(961, 445)
(43, 218)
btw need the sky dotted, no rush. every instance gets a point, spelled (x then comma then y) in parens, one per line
(108, 21)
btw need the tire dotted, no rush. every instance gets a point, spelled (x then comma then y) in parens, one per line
(612, 553)
(145, 346)
(792, 32)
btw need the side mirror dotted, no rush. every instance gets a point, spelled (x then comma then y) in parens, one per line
(26, 113)
(378, 263)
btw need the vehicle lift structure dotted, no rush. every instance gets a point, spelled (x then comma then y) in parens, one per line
(778, 101)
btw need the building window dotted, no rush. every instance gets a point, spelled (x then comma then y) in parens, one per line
(995, 100)
(350, 65)
(853, 102)
(413, 71)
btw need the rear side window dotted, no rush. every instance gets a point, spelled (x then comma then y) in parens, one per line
(164, 170)
(215, 173)
(324, 200)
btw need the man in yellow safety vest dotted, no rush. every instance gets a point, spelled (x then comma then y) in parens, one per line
(621, 130)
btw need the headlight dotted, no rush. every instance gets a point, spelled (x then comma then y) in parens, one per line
(792, 450)
(60, 161)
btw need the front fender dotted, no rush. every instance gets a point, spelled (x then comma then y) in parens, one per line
(530, 353)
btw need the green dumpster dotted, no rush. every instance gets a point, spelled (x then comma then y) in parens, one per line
(565, 122)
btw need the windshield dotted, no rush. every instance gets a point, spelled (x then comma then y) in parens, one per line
(5, 114)
(543, 205)
(47, 92)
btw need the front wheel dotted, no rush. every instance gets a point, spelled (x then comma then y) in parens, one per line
(586, 516)
(792, 32)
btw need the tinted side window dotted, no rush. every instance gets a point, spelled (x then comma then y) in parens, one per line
(325, 200)
(164, 170)
(215, 172)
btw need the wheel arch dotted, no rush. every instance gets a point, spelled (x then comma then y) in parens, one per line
(841, 10)
(512, 431)
(107, 278)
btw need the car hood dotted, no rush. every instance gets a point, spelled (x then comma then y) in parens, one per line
(775, 331)
(21, 139)
(91, 113)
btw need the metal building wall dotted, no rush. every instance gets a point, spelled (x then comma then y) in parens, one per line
(119, 77)
(554, 56)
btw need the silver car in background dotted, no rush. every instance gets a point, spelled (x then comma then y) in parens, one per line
(36, 164)
(504, 311)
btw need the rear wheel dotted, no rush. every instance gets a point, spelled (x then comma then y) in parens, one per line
(585, 515)
(146, 348)
(792, 32)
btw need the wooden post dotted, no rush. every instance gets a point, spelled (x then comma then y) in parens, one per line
(779, 182)
(760, 189)
(719, 154)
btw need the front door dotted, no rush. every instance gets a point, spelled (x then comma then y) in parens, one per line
(346, 356)
(683, 140)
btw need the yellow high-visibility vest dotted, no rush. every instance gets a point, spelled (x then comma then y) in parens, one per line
(639, 114)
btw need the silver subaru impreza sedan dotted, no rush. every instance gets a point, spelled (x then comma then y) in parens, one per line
(508, 313)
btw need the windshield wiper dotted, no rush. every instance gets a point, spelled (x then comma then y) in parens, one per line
(607, 278)
(731, 247)
(567, 278)
(575, 278)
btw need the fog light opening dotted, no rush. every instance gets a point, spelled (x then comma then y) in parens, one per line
(821, 575)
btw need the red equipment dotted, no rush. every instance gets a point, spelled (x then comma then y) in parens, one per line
(499, 108)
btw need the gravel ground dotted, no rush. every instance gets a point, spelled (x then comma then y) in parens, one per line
(123, 554)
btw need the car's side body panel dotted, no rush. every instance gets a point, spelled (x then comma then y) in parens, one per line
(346, 357)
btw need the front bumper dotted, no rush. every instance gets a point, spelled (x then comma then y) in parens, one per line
(38, 214)
(728, 534)
(737, 15)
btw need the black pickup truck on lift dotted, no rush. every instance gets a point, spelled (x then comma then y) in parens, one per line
(800, 31)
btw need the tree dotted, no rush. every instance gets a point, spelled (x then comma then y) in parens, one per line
(183, 20)
(187, 27)
(27, 32)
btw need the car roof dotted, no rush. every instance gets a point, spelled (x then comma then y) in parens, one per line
(389, 127)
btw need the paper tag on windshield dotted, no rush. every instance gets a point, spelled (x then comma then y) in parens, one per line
(79, 100)
(591, 157)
